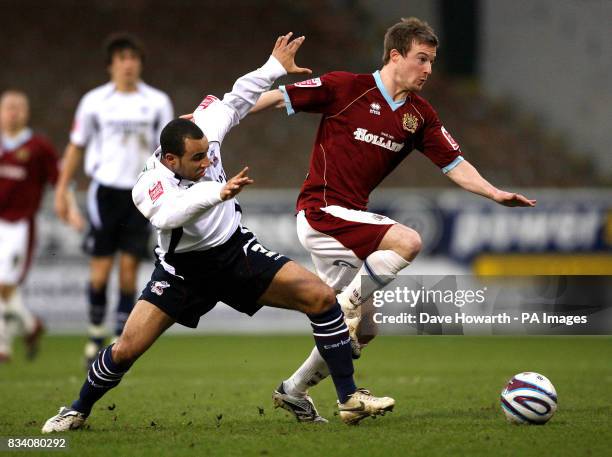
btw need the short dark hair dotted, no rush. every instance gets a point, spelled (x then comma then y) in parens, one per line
(174, 134)
(401, 35)
(121, 41)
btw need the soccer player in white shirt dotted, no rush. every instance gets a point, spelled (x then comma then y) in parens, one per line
(116, 125)
(206, 256)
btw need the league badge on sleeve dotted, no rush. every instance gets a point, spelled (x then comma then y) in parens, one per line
(207, 101)
(156, 191)
(450, 139)
(314, 82)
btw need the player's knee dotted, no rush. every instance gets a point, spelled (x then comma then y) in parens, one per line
(98, 283)
(415, 242)
(125, 351)
(410, 244)
(322, 298)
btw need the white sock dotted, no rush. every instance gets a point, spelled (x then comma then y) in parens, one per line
(378, 270)
(311, 372)
(16, 307)
(5, 347)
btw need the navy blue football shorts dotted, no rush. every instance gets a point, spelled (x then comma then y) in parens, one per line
(236, 273)
(115, 224)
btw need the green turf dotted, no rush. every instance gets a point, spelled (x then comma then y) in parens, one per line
(210, 395)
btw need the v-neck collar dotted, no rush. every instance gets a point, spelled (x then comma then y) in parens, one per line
(383, 90)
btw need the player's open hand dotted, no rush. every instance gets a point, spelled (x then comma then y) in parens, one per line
(236, 184)
(285, 50)
(512, 199)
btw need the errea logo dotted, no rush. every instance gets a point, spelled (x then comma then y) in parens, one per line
(375, 108)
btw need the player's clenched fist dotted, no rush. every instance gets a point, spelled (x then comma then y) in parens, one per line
(235, 185)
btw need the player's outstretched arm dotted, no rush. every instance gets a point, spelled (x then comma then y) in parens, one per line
(271, 99)
(467, 177)
(235, 185)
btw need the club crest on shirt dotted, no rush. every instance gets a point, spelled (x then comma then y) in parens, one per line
(410, 122)
(22, 154)
(156, 191)
(158, 287)
(314, 82)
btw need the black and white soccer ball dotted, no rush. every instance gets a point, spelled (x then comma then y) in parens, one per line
(529, 398)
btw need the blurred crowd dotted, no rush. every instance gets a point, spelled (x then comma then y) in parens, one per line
(53, 52)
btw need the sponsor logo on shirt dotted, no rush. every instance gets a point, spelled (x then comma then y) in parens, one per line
(314, 82)
(410, 122)
(207, 101)
(14, 172)
(449, 138)
(158, 287)
(156, 191)
(375, 108)
(363, 135)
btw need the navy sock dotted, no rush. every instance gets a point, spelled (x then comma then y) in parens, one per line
(97, 304)
(124, 308)
(332, 339)
(103, 375)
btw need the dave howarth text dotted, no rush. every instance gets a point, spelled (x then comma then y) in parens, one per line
(426, 318)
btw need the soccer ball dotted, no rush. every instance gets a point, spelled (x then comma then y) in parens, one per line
(529, 398)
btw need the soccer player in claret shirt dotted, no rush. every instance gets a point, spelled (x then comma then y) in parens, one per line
(369, 124)
(28, 162)
(116, 125)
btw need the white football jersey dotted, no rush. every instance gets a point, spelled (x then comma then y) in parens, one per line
(190, 216)
(119, 130)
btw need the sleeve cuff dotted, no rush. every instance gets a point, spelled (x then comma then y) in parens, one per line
(452, 165)
(273, 68)
(288, 105)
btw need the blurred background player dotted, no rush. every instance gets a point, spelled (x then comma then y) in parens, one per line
(370, 123)
(27, 163)
(118, 124)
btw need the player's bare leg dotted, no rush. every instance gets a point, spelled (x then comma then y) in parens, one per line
(294, 287)
(99, 274)
(145, 324)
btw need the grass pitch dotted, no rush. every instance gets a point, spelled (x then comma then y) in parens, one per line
(211, 395)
